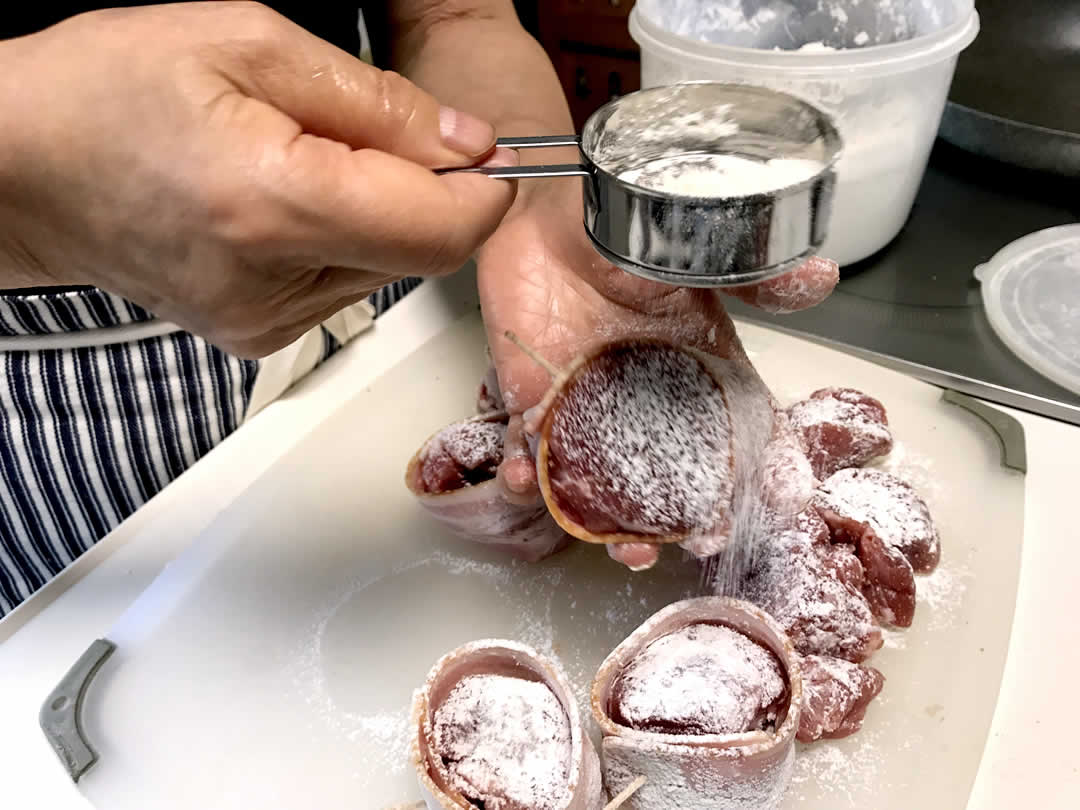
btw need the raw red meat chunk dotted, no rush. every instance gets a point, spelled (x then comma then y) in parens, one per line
(462, 455)
(836, 695)
(840, 428)
(881, 502)
(893, 534)
(814, 590)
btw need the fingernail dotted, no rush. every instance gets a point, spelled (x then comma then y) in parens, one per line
(465, 134)
(503, 157)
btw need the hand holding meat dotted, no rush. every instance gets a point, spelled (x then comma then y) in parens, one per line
(540, 279)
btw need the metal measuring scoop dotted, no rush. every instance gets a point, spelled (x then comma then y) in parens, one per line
(697, 241)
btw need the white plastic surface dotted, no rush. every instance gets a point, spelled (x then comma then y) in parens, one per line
(39, 641)
(887, 101)
(271, 664)
(1031, 291)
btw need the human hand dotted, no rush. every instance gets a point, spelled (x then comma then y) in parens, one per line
(229, 171)
(540, 278)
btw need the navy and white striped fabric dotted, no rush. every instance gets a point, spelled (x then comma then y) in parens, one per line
(88, 435)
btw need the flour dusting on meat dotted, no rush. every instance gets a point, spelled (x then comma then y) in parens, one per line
(462, 455)
(703, 679)
(889, 507)
(813, 589)
(640, 442)
(840, 428)
(506, 743)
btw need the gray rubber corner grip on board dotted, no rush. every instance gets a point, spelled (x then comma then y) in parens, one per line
(1009, 431)
(60, 715)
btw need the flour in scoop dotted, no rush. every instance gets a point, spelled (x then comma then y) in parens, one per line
(718, 175)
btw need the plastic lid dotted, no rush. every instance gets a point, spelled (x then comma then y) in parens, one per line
(1031, 290)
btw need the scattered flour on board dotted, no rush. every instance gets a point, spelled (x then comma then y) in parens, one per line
(941, 593)
(918, 470)
(540, 598)
(893, 639)
(384, 731)
(850, 774)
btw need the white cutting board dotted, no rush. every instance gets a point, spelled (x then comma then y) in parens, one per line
(271, 664)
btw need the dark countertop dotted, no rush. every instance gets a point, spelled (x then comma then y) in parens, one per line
(917, 301)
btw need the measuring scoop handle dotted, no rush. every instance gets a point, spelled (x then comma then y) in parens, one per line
(533, 172)
(525, 172)
(535, 141)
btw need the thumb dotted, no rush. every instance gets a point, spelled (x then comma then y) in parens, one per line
(334, 95)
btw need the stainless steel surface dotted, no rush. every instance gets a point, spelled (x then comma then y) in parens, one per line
(1025, 145)
(916, 305)
(60, 714)
(695, 241)
(1009, 431)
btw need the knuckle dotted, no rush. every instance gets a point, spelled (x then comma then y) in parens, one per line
(262, 23)
(241, 220)
(395, 101)
(448, 254)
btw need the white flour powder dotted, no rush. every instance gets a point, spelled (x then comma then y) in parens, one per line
(703, 679)
(506, 742)
(698, 175)
(646, 439)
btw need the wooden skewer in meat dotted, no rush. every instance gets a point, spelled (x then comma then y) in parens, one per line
(496, 726)
(704, 701)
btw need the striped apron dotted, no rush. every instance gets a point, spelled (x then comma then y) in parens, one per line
(102, 405)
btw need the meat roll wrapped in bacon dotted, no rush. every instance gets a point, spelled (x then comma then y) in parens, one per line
(495, 726)
(643, 441)
(703, 700)
(453, 477)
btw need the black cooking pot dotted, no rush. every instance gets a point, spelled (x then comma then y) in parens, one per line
(1016, 93)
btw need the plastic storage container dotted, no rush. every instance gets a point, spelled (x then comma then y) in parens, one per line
(1031, 291)
(881, 68)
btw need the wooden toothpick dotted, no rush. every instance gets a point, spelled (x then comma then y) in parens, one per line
(534, 355)
(627, 792)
